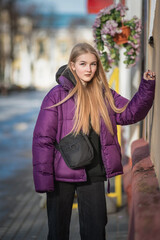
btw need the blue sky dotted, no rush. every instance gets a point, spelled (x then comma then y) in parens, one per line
(69, 6)
(70, 9)
(60, 6)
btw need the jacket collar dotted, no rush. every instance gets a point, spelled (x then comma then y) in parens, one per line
(65, 78)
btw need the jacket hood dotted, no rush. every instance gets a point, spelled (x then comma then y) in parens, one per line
(65, 78)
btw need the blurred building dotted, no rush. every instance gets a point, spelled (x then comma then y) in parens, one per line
(151, 127)
(37, 46)
(5, 49)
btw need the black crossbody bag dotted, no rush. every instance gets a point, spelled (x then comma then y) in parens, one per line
(76, 151)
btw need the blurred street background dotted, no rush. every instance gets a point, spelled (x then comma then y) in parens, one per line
(36, 38)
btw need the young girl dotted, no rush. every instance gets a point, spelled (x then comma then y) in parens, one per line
(83, 101)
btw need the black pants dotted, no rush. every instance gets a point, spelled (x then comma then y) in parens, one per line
(91, 207)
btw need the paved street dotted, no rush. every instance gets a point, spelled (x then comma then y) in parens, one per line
(18, 113)
(22, 211)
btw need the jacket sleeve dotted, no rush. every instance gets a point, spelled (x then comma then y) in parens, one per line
(43, 146)
(138, 106)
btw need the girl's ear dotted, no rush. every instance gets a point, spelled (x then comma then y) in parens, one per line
(73, 66)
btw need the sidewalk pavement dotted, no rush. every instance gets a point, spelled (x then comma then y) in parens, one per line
(22, 216)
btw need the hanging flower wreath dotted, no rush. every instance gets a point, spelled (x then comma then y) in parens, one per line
(111, 32)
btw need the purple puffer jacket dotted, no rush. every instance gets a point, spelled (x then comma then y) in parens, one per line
(55, 123)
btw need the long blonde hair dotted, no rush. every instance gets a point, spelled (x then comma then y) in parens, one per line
(90, 100)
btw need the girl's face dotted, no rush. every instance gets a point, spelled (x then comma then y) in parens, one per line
(85, 67)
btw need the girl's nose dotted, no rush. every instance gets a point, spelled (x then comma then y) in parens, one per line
(88, 68)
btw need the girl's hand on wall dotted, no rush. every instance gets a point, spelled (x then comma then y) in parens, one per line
(149, 75)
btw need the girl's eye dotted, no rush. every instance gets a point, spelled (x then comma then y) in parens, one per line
(94, 64)
(82, 64)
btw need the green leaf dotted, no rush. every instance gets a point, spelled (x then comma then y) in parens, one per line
(113, 55)
(105, 18)
(128, 48)
(108, 37)
(100, 46)
(125, 62)
(98, 31)
(131, 61)
(98, 37)
(102, 59)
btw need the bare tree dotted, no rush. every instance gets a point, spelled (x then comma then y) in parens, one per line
(15, 10)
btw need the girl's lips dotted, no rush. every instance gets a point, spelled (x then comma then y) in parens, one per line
(87, 75)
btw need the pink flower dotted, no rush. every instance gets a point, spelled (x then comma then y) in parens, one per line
(110, 28)
(130, 52)
(133, 45)
(97, 23)
(136, 36)
(120, 7)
